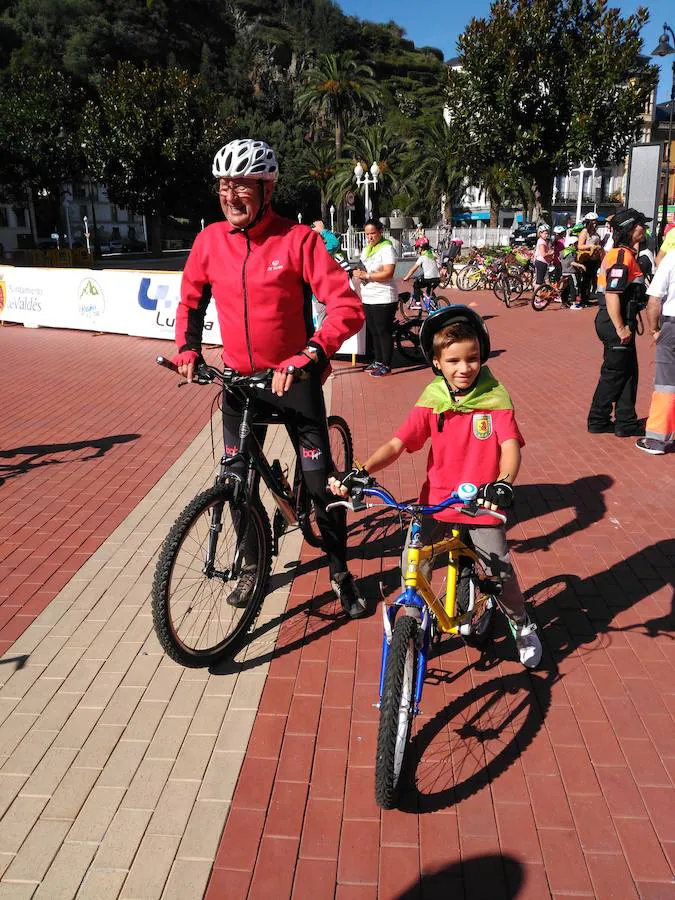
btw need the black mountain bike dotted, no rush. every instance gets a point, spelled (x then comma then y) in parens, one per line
(224, 535)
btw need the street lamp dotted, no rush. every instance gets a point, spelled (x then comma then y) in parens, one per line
(665, 49)
(362, 178)
(332, 217)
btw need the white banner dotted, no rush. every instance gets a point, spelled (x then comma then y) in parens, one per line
(118, 301)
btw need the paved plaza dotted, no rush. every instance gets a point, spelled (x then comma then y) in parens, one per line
(123, 775)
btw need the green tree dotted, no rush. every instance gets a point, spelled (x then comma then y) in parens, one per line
(368, 145)
(435, 172)
(39, 116)
(149, 138)
(335, 89)
(545, 83)
(319, 163)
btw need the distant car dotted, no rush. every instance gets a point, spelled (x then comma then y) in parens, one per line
(524, 234)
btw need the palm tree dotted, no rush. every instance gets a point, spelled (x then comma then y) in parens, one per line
(434, 170)
(334, 89)
(320, 166)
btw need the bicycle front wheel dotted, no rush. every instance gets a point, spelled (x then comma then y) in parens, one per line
(342, 454)
(193, 621)
(438, 301)
(470, 278)
(543, 295)
(396, 712)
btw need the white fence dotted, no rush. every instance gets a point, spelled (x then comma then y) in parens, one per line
(473, 236)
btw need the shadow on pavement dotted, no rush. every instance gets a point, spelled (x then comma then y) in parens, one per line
(488, 877)
(36, 454)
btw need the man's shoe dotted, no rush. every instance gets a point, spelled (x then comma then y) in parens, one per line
(636, 430)
(349, 595)
(241, 595)
(381, 372)
(650, 446)
(527, 642)
(372, 366)
(607, 428)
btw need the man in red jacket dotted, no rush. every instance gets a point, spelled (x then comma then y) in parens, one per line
(261, 271)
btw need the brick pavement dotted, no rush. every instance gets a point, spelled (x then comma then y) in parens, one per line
(119, 769)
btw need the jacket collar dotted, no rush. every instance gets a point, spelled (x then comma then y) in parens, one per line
(262, 226)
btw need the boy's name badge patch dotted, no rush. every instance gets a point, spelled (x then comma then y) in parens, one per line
(482, 426)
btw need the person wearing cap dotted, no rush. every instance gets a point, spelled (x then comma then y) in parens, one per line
(543, 255)
(660, 314)
(261, 270)
(621, 288)
(572, 271)
(589, 251)
(468, 418)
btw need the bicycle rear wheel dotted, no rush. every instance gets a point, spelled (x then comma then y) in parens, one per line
(502, 289)
(193, 621)
(542, 296)
(342, 454)
(407, 340)
(481, 624)
(396, 712)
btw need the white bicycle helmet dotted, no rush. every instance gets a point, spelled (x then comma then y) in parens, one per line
(246, 158)
(559, 229)
(591, 217)
(543, 227)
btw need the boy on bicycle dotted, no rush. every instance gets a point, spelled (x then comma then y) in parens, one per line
(468, 416)
(428, 276)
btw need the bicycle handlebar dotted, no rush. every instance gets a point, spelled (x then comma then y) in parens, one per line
(206, 374)
(470, 507)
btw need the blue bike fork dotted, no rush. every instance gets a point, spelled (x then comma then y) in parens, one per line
(409, 598)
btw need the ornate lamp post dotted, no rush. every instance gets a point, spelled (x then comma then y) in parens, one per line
(362, 178)
(664, 48)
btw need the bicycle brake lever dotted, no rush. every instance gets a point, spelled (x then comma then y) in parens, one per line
(346, 503)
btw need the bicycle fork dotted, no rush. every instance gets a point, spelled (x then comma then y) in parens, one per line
(409, 598)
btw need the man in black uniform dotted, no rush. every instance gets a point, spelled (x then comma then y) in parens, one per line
(621, 292)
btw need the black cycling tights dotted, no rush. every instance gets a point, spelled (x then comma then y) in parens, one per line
(304, 415)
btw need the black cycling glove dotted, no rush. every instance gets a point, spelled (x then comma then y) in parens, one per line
(356, 478)
(499, 493)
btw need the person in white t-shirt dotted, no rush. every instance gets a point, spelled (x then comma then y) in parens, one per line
(378, 294)
(660, 428)
(428, 275)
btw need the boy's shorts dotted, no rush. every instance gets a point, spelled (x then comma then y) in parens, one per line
(489, 542)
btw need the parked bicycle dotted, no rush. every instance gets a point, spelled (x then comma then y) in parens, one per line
(202, 559)
(490, 273)
(419, 617)
(554, 290)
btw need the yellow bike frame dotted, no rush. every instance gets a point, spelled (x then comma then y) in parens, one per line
(446, 613)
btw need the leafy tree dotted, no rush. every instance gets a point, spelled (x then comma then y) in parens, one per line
(149, 138)
(367, 145)
(545, 83)
(39, 114)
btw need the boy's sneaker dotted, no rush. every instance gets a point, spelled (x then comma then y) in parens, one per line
(348, 594)
(527, 642)
(381, 371)
(372, 366)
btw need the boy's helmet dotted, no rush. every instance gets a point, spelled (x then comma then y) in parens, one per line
(559, 229)
(449, 315)
(246, 158)
(421, 243)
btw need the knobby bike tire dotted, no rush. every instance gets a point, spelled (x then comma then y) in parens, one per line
(483, 615)
(342, 452)
(470, 278)
(396, 712)
(185, 596)
(542, 296)
(407, 340)
(502, 290)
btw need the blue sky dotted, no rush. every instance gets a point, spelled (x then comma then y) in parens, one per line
(428, 22)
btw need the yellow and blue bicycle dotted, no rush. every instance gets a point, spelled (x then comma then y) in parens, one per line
(420, 616)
